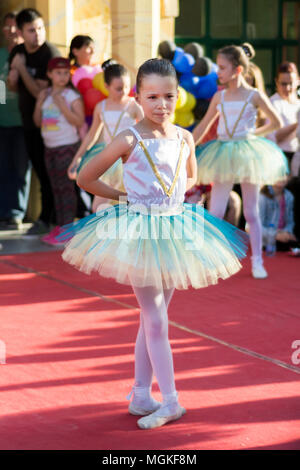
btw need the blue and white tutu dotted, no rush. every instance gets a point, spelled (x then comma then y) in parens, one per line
(254, 160)
(113, 176)
(189, 248)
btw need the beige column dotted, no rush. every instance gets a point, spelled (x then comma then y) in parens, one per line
(135, 31)
(58, 17)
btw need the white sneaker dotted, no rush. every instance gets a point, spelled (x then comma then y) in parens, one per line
(258, 270)
(162, 416)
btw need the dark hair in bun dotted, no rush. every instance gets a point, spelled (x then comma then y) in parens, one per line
(162, 67)
(112, 70)
(248, 49)
(78, 42)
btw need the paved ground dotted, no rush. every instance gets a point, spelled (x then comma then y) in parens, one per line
(15, 241)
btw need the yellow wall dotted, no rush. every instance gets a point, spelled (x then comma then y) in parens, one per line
(128, 30)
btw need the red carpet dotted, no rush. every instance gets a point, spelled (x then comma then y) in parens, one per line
(69, 342)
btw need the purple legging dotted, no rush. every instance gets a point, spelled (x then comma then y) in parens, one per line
(57, 160)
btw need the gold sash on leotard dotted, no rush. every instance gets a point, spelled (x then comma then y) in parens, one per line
(167, 191)
(231, 134)
(112, 135)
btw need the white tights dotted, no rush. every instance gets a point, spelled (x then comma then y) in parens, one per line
(250, 194)
(152, 350)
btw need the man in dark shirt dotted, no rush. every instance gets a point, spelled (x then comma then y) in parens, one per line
(28, 76)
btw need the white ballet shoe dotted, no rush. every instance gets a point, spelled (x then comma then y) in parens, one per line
(142, 403)
(147, 409)
(161, 417)
(258, 270)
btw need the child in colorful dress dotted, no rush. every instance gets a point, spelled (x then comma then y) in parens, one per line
(153, 241)
(111, 116)
(240, 154)
(59, 112)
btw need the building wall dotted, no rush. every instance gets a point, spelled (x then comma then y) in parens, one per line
(128, 30)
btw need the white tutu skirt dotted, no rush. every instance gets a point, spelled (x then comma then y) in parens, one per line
(255, 160)
(113, 176)
(192, 248)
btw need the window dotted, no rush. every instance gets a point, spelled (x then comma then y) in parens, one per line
(290, 20)
(262, 19)
(191, 21)
(226, 18)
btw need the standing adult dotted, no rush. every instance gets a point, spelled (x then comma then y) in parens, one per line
(28, 69)
(287, 104)
(14, 163)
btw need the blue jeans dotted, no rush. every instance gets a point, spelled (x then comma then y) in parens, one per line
(15, 172)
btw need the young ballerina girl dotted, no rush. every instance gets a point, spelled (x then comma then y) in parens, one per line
(154, 242)
(111, 116)
(240, 154)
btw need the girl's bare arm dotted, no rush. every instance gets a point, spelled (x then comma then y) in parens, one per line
(274, 120)
(88, 178)
(202, 128)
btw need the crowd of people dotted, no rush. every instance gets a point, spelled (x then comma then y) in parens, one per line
(43, 127)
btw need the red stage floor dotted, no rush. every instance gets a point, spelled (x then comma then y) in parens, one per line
(69, 341)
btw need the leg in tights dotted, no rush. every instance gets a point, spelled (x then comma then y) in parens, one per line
(153, 349)
(250, 194)
(143, 366)
(219, 199)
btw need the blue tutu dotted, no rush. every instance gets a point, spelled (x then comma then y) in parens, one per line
(190, 248)
(113, 176)
(254, 160)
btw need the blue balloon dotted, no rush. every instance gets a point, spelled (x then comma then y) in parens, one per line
(191, 128)
(213, 75)
(189, 82)
(177, 55)
(207, 86)
(214, 68)
(182, 61)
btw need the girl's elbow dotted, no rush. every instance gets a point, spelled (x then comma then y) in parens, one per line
(80, 181)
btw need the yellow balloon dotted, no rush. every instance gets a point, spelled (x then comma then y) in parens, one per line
(190, 103)
(184, 119)
(99, 83)
(182, 97)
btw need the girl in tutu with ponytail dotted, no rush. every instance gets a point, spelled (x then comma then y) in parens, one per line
(240, 154)
(152, 240)
(111, 116)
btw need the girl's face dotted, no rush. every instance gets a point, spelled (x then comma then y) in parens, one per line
(119, 87)
(287, 84)
(158, 96)
(226, 71)
(59, 77)
(84, 54)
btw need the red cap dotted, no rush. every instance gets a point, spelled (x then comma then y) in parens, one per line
(58, 63)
